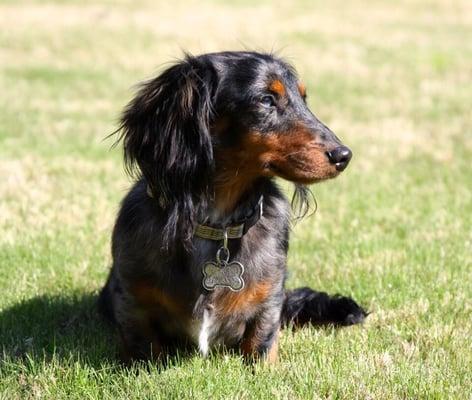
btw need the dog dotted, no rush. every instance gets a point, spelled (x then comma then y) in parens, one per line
(200, 242)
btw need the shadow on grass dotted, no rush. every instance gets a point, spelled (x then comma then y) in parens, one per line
(66, 327)
(69, 329)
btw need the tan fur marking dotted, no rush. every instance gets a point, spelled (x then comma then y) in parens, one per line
(302, 89)
(273, 353)
(149, 296)
(237, 169)
(296, 155)
(278, 87)
(233, 302)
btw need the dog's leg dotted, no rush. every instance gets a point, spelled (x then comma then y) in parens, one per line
(273, 352)
(260, 340)
(138, 345)
(138, 338)
(306, 306)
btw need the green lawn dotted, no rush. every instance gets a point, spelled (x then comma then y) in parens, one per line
(392, 79)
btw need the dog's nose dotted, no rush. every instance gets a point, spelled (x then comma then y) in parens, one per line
(340, 157)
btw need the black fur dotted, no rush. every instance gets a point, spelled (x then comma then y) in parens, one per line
(305, 306)
(206, 137)
(165, 133)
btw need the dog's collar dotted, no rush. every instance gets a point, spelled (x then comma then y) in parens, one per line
(231, 230)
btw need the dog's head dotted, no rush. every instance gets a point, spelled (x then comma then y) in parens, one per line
(210, 126)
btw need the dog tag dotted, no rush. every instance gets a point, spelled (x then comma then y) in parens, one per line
(223, 273)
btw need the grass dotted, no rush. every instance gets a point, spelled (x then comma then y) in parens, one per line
(394, 231)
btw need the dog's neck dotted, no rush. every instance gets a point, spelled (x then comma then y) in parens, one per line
(233, 202)
(246, 204)
(228, 197)
(234, 179)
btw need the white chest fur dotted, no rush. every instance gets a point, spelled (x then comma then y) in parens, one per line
(206, 328)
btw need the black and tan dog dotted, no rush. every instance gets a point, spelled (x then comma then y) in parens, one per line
(200, 243)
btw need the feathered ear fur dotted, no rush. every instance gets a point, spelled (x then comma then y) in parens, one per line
(165, 132)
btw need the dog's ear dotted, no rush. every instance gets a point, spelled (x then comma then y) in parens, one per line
(165, 132)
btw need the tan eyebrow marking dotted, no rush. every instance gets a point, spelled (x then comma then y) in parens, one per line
(302, 89)
(278, 87)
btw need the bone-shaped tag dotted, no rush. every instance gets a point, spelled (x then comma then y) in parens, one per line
(223, 274)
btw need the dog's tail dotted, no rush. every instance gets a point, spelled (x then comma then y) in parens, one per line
(305, 306)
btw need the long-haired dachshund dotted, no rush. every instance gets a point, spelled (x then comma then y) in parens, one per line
(200, 243)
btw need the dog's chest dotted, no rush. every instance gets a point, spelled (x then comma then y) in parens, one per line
(220, 315)
(220, 319)
(211, 331)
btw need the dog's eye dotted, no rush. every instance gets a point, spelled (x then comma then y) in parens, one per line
(268, 101)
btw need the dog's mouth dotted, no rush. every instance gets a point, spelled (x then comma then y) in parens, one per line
(304, 169)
